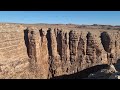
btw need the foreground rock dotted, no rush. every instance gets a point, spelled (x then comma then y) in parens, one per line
(108, 73)
(115, 76)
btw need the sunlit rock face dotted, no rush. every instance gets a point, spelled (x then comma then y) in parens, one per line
(43, 52)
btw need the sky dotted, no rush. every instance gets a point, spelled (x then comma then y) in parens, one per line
(61, 17)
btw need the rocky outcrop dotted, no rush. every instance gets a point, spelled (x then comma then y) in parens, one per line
(109, 73)
(50, 52)
(115, 76)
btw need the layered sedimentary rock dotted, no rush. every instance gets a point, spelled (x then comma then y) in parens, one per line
(13, 52)
(51, 52)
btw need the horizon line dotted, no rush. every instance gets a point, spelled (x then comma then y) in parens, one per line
(55, 23)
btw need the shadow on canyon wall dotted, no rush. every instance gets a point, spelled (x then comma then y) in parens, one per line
(26, 39)
(82, 74)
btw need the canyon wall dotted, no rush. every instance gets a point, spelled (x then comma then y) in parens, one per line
(13, 55)
(50, 52)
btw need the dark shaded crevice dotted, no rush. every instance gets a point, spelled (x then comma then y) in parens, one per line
(117, 65)
(59, 42)
(26, 40)
(88, 35)
(115, 43)
(70, 39)
(41, 35)
(49, 43)
(105, 40)
(90, 40)
(87, 42)
(82, 74)
(71, 46)
(64, 48)
(40, 32)
(66, 38)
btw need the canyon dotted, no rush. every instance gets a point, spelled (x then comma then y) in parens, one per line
(47, 51)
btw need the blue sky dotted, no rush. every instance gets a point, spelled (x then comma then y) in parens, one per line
(61, 17)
